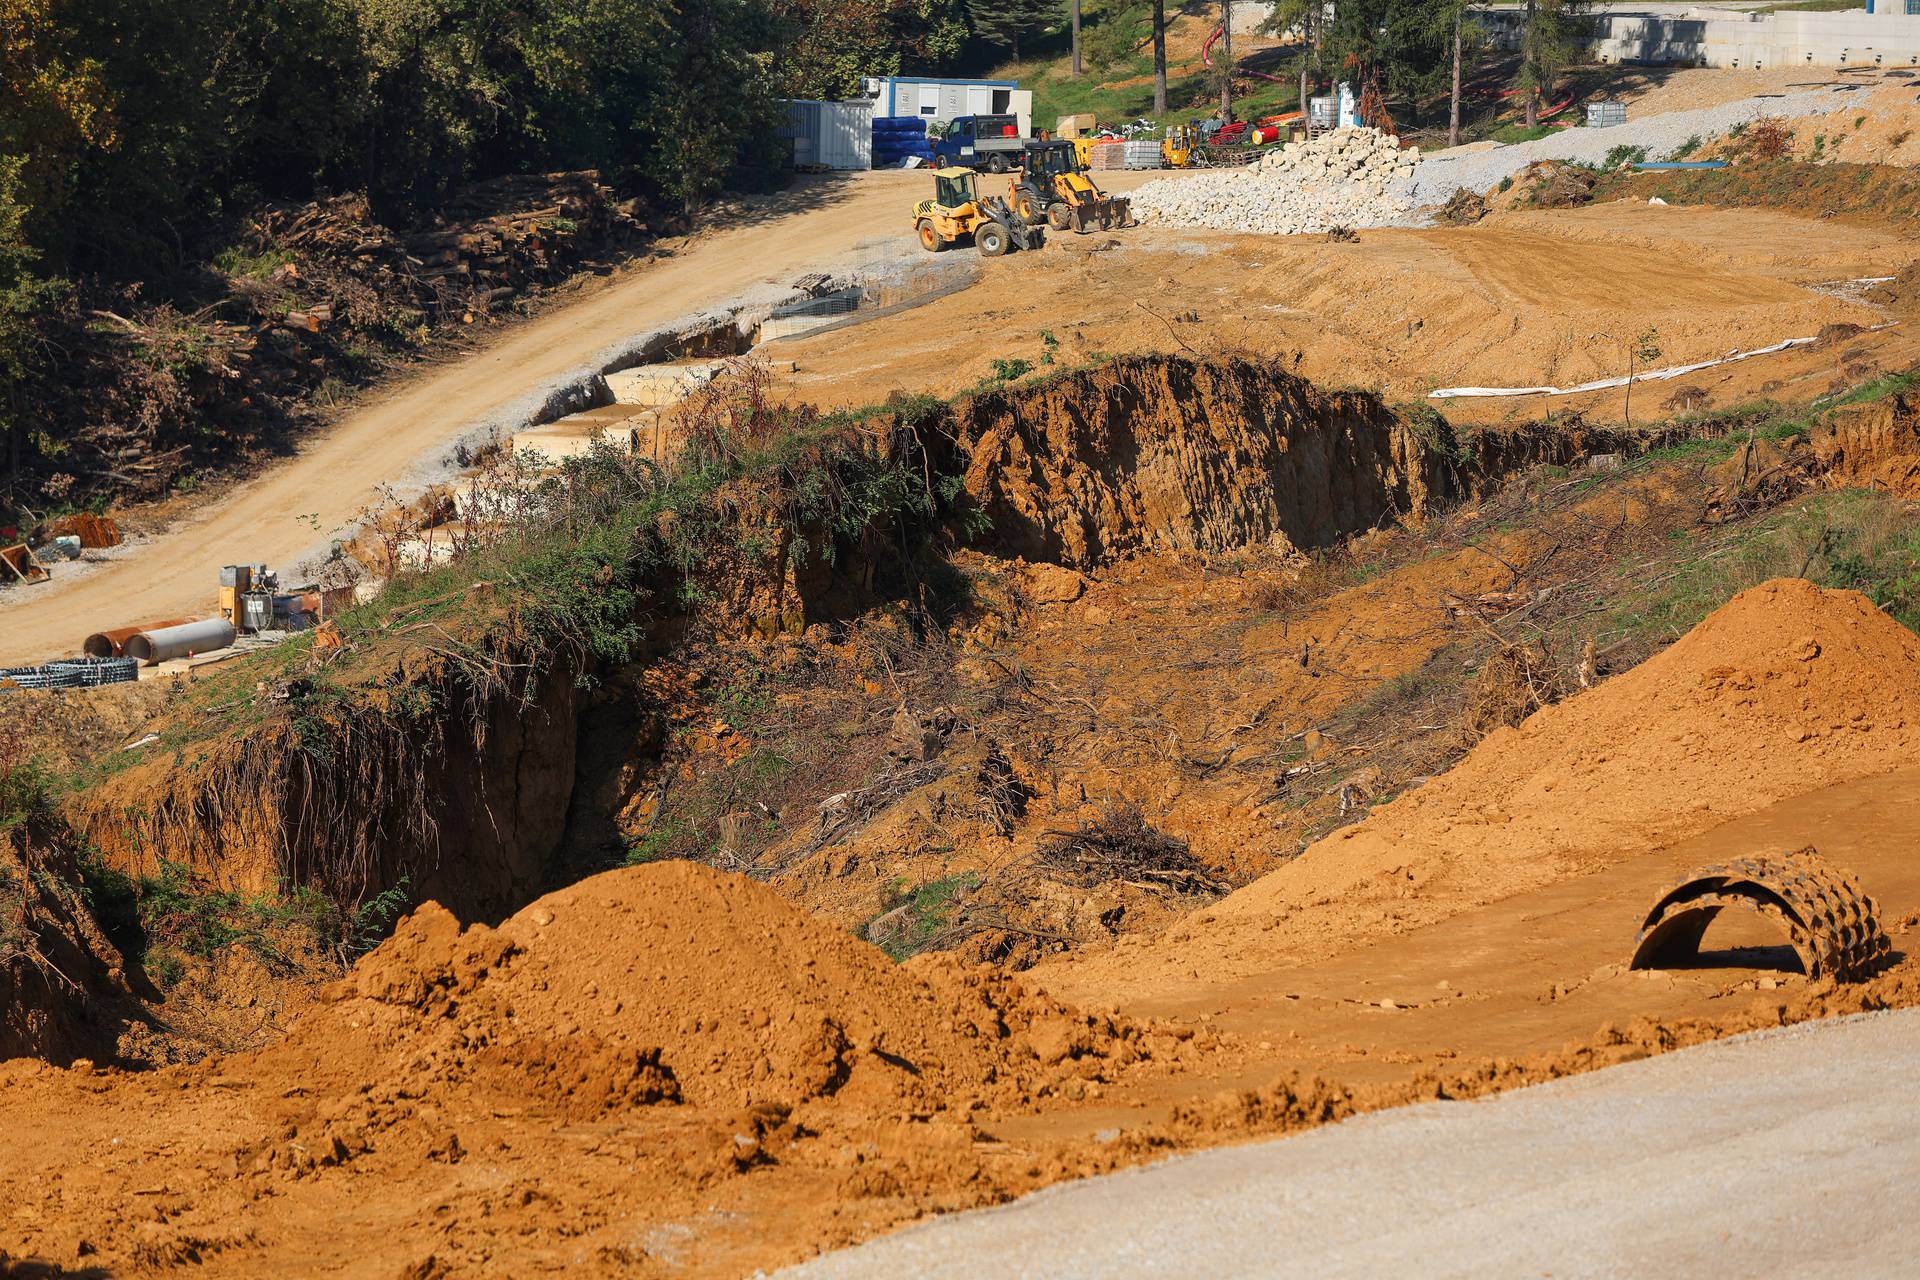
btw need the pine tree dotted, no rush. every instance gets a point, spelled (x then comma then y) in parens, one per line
(1004, 22)
(1548, 42)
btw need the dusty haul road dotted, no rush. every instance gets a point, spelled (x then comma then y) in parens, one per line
(291, 508)
(1700, 1163)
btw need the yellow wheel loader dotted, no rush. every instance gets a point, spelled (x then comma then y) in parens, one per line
(958, 211)
(1055, 190)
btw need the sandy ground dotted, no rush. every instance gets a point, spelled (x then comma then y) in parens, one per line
(1524, 298)
(1716, 1161)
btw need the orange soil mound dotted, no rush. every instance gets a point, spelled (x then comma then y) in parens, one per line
(674, 983)
(1785, 689)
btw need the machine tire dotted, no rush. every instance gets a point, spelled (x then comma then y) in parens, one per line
(1059, 216)
(997, 162)
(941, 160)
(929, 238)
(990, 239)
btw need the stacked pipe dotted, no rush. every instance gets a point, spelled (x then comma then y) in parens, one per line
(184, 640)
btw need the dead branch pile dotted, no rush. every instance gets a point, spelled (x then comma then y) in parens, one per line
(1552, 184)
(1120, 844)
(1000, 797)
(1516, 681)
(1464, 209)
(850, 810)
(492, 242)
(316, 298)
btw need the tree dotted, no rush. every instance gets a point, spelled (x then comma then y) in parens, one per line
(26, 300)
(1452, 24)
(1003, 22)
(1159, 57)
(1549, 42)
(1390, 48)
(823, 48)
(1122, 31)
(1226, 61)
(1076, 37)
(1304, 17)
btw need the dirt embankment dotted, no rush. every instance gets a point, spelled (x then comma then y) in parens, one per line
(1138, 455)
(1166, 454)
(667, 1028)
(669, 1067)
(1784, 690)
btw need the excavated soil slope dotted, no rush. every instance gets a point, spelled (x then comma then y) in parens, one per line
(1166, 454)
(666, 1069)
(665, 1028)
(1785, 689)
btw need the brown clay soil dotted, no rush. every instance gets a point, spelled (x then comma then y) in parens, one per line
(672, 1070)
(490, 1102)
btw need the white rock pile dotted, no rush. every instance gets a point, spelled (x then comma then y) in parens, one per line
(1347, 178)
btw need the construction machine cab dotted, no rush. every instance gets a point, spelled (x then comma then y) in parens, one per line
(1049, 160)
(954, 187)
(1178, 147)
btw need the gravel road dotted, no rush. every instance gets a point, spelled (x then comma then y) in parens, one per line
(401, 434)
(1789, 1152)
(1438, 178)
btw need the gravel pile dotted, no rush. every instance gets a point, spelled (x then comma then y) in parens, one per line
(1438, 177)
(1362, 178)
(1347, 178)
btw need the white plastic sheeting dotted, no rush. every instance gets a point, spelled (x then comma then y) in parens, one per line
(1651, 375)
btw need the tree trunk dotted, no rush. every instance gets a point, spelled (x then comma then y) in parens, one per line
(1159, 57)
(1076, 37)
(1529, 50)
(1226, 61)
(1306, 56)
(1453, 120)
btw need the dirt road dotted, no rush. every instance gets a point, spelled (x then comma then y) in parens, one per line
(1720, 1160)
(291, 509)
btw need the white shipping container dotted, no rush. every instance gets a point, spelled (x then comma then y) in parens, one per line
(830, 135)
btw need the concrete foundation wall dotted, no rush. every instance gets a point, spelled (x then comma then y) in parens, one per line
(1716, 38)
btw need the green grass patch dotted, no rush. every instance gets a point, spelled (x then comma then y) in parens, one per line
(1854, 539)
(1510, 134)
(236, 261)
(929, 909)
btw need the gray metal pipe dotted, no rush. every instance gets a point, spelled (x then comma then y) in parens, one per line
(113, 643)
(166, 643)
